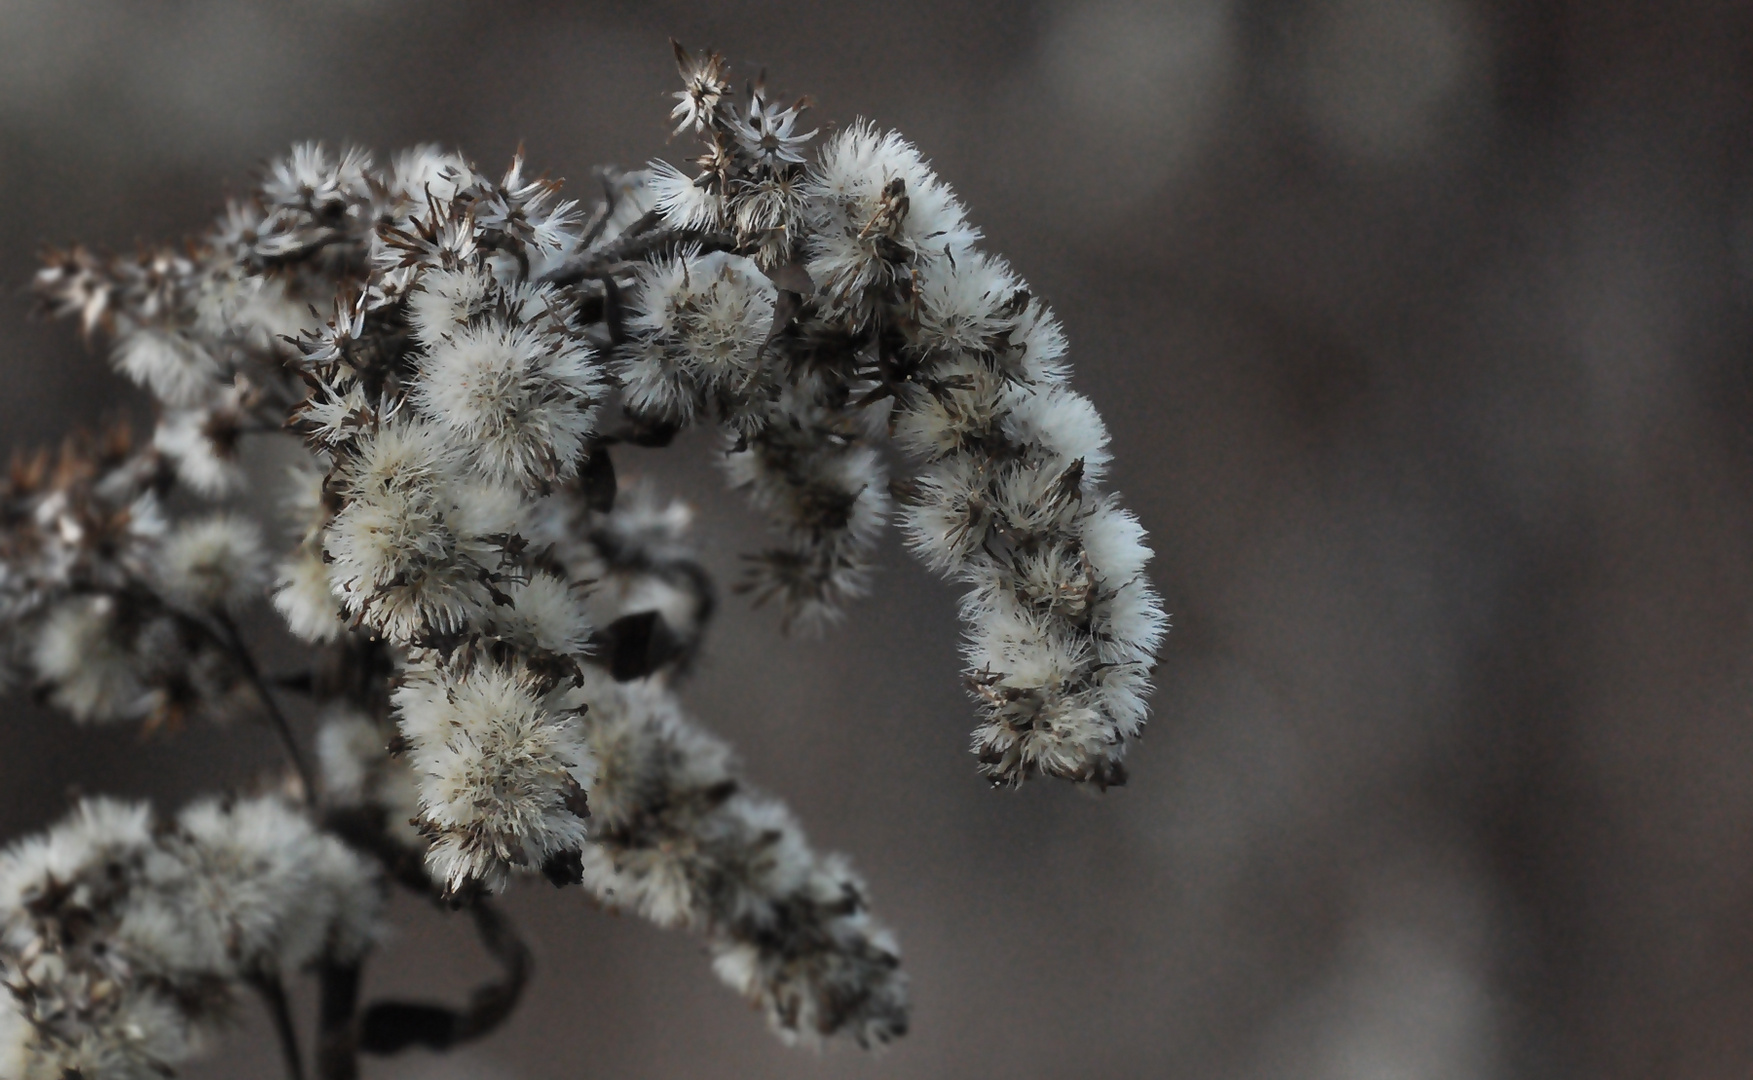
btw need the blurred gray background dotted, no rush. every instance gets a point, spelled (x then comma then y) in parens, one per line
(1425, 332)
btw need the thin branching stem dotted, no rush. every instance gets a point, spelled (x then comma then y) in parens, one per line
(337, 1021)
(273, 993)
(276, 718)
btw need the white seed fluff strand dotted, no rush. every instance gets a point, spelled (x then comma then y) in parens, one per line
(680, 840)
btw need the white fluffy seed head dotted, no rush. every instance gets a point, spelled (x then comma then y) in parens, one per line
(400, 455)
(654, 386)
(387, 538)
(123, 942)
(1129, 624)
(99, 831)
(502, 769)
(832, 503)
(1041, 501)
(447, 300)
(870, 199)
(240, 887)
(680, 841)
(965, 412)
(303, 598)
(1115, 542)
(311, 177)
(812, 492)
(1059, 426)
(411, 563)
(1055, 578)
(709, 315)
(232, 892)
(965, 305)
(396, 558)
(683, 203)
(1038, 345)
(947, 519)
(522, 400)
(80, 653)
(202, 464)
(428, 175)
(394, 568)
(730, 307)
(859, 162)
(1034, 650)
(213, 563)
(138, 1035)
(549, 613)
(331, 418)
(178, 370)
(847, 986)
(258, 311)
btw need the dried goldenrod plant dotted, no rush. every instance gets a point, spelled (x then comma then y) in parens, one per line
(494, 627)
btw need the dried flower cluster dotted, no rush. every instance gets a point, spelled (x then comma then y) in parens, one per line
(121, 942)
(495, 627)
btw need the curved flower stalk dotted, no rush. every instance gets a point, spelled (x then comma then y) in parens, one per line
(702, 343)
(123, 943)
(1063, 626)
(493, 626)
(888, 301)
(681, 840)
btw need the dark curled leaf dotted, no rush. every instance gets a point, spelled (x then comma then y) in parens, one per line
(597, 480)
(564, 868)
(637, 645)
(390, 1027)
(793, 278)
(337, 1055)
(637, 431)
(905, 490)
(794, 285)
(1108, 774)
(785, 310)
(613, 315)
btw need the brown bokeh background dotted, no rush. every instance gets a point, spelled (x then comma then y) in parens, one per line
(1424, 331)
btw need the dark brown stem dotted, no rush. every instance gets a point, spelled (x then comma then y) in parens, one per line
(299, 682)
(337, 1027)
(641, 240)
(276, 719)
(599, 218)
(273, 993)
(363, 829)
